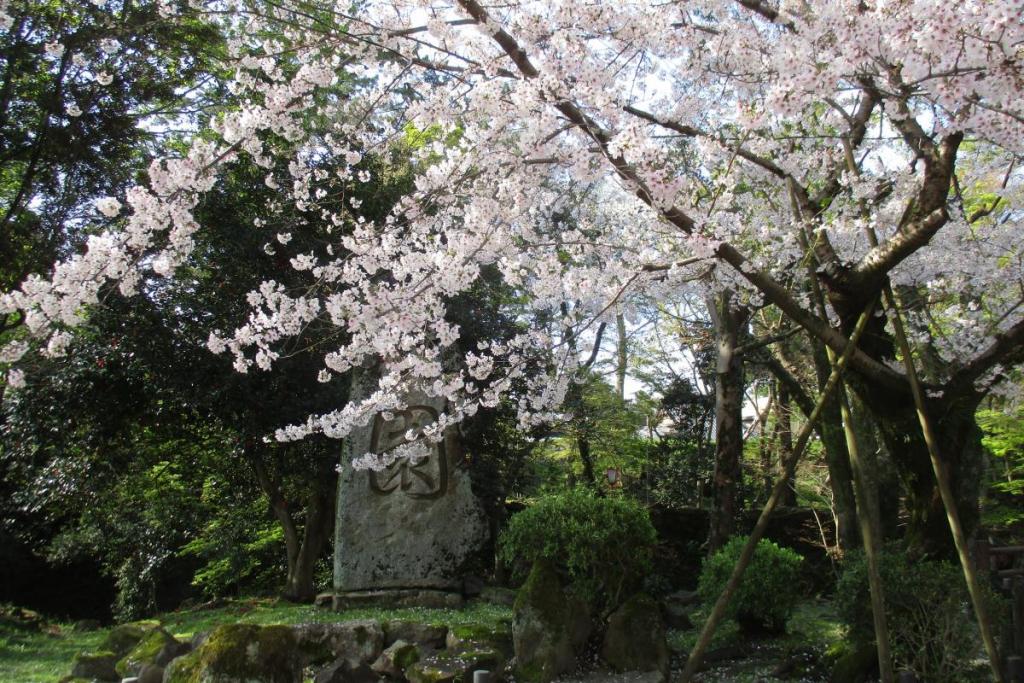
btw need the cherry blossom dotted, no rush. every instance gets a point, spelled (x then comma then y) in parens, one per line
(592, 154)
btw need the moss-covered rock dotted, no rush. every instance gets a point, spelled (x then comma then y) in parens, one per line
(635, 637)
(358, 642)
(454, 667)
(98, 666)
(427, 635)
(236, 653)
(158, 647)
(396, 658)
(122, 639)
(183, 669)
(498, 595)
(548, 628)
(476, 636)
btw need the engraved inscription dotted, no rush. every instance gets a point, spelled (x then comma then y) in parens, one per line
(427, 477)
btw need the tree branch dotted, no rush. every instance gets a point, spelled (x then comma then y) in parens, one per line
(1006, 347)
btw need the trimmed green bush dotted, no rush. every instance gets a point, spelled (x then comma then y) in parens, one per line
(603, 545)
(768, 591)
(928, 612)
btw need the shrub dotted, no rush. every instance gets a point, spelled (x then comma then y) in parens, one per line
(768, 591)
(603, 545)
(927, 609)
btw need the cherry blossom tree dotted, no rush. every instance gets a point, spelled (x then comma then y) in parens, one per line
(592, 153)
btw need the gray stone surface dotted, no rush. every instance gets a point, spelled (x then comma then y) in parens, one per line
(396, 658)
(411, 525)
(355, 642)
(498, 595)
(95, 665)
(427, 635)
(343, 672)
(398, 598)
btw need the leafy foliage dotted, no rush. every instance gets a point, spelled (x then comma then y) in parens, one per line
(604, 545)
(769, 590)
(1004, 440)
(926, 605)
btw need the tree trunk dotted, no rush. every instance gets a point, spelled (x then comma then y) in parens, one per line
(303, 549)
(837, 458)
(583, 443)
(300, 584)
(927, 529)
(785, 432)
(621, 358)
(729, 321)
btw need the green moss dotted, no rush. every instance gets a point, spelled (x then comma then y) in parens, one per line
(183, 669)
(532, 671)
(406, 657)
(542, 592)
(99, 665)
(145, 652)
(482, 636)
(243, 651)
(121, 639)
(635, 638)
(45, 655)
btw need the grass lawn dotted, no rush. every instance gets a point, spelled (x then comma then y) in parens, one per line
(41, 652)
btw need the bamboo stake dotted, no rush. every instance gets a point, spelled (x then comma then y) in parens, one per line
(942, 479)
(867, 519)
(718, 611)
(867, 504)
(932, 442)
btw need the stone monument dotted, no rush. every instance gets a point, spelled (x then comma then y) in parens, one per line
(404, 534)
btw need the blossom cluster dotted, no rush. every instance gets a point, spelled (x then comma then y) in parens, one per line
(592, 154)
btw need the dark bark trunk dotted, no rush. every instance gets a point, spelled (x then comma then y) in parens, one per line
(621, 358)
(729, 321)
(927, 528)
(583, 443)
(300, 585)
(785, 432)
(765, 454)
(302, 548)
(884, 482)
(837, 458)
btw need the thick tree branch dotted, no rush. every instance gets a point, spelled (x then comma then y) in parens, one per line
(772, 290)
(1007, 348)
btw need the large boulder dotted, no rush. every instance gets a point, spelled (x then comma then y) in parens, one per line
(635, 637)
(396, 658)
(99, 666)
(457, 666)
(549, 629)
(342, 671)
(239, 653)
(427, 635)
(357, 642)
(121, 639)
(481, 636)
(157, 648)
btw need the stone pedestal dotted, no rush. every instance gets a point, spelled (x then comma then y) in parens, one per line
(405, 533)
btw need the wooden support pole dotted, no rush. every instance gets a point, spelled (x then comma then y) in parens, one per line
(938, 467)
(867, 518)
(942, 479)
(718, 611)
